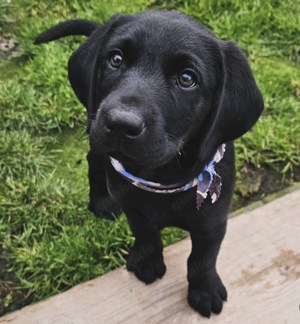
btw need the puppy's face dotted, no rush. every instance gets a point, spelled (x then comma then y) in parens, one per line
(157, 81)
(154, 81)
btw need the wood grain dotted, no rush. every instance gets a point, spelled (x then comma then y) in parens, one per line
(259, 263)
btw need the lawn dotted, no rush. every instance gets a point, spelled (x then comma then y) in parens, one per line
(49, 241)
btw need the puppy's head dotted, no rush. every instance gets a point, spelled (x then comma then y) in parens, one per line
(154, 81)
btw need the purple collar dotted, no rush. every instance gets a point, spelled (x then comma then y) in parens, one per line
(208, 180)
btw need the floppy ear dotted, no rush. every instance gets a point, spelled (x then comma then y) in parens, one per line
(83, 66)
(239, 106)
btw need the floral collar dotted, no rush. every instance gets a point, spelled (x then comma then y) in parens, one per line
(207, 180)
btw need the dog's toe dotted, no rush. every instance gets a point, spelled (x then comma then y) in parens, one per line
(207, 298)
(147, 268)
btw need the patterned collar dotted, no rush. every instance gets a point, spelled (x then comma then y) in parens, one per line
(208, 180)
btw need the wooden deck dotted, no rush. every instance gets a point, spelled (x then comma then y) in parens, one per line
(259, 263)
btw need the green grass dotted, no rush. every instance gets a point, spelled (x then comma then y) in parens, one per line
(48, 239)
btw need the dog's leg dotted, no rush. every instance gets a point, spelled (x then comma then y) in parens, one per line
(101, 204)
(206, 290)
(145, 259)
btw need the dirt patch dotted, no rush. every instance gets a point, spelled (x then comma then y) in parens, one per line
(286, 264)
(11, 296)
(7, 44)
(255, 184)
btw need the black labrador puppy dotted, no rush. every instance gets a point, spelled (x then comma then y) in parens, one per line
(165, 98)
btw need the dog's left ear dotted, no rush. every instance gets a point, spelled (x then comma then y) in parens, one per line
(239, 105)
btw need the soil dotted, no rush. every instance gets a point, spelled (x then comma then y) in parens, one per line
(7, 44)
(12, 297)
(257, 183)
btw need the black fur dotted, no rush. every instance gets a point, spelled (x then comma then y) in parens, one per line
(141, 112)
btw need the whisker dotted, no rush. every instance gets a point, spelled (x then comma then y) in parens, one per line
(176, 149)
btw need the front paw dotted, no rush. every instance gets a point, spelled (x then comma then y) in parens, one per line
(207, 296)
(147, 264)
(105, 207)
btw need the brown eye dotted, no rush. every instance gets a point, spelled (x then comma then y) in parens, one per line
(116, 60)
(187, 79)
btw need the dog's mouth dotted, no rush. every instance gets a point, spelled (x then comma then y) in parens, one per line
(122, 157)
(150, 150)
(141, 157)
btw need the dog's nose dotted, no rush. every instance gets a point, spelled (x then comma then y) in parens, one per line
(124, 123)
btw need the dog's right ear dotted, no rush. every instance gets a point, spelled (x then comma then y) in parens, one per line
(84, 62)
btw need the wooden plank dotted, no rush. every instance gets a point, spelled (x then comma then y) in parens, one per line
(259, 263)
